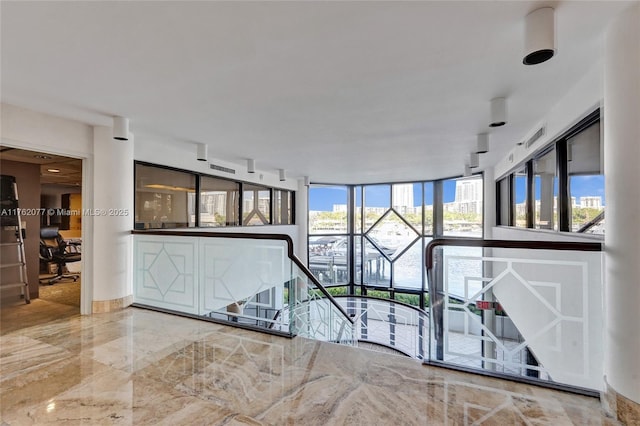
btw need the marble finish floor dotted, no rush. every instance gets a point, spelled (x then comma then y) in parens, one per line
(138, 367)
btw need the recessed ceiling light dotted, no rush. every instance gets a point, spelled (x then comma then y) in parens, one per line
(54, 170)
(42, 157)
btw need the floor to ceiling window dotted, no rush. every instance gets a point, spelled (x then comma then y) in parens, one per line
(462, 207)
(370, 239)
(329, 245)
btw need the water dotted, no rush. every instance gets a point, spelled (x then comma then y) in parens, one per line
(408, 268)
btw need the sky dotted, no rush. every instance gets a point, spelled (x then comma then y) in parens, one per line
(323, 198)
(581, 186)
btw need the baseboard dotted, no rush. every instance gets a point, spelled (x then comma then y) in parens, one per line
(621, 408)
(102, 306)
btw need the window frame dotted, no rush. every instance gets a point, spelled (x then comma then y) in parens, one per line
(355, 234)
(140, 225)
(560, 144)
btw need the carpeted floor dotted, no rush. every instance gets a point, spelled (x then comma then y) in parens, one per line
(65, 292)
(61, 300)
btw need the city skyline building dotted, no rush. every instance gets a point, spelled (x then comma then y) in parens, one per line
(402, 198)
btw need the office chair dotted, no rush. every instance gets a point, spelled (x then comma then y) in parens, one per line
(54, 249)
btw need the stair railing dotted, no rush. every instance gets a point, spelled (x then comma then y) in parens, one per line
(247, 280)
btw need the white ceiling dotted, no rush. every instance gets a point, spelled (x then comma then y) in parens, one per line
(340, 91)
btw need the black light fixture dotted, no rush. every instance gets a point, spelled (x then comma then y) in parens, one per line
(539, 38)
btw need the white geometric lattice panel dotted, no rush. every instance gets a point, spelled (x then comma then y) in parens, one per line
(165, 272)
(550, 301)
(235, 270)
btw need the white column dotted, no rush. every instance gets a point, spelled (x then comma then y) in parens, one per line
(112, 220)
(622, 229)
(489, 202)
(302, 205)
(489, 216)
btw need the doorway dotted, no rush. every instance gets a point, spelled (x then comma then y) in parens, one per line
(50, 202)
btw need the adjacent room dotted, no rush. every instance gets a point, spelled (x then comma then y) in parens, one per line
(41, 236)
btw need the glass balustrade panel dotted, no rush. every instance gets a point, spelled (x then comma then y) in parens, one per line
(534, 313)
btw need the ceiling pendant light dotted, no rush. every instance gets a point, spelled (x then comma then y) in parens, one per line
(539, 37)
(483, 143)
(202, 151)
(282, 175)
(251, 166)
(474, 160)
(498, 112)
(121, 128)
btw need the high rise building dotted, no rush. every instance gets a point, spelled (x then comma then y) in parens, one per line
(402, 196)
(591, 202)
(468, 190)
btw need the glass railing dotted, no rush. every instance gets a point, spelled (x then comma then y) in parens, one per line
(315, 313)
(523, 309)
(394, 325)
(247, 280)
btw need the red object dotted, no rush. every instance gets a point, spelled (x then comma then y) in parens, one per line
(484, 305)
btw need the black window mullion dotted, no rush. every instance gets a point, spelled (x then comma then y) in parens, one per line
(511, 220)
(531, 195)
(361, 239)
(438, 225)
(198, 199)
(498, 205)
(241, 205)
(351, 252)
(564, 192)
(271, 205)
(292, 208)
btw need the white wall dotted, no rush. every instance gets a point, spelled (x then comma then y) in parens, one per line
(41, 132)
(622, 229)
